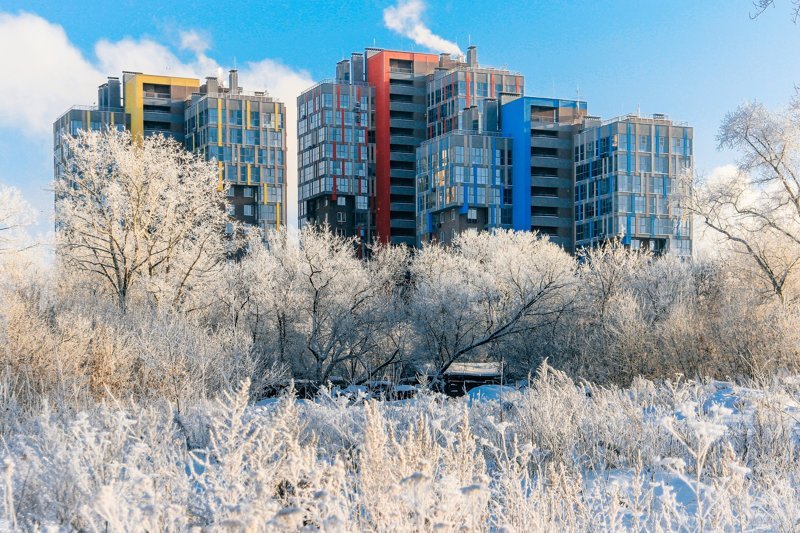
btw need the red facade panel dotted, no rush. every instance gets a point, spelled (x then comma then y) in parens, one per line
(378, 75)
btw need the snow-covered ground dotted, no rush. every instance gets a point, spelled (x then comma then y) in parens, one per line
(552, 456)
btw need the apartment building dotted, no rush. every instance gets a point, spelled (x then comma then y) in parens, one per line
(454, 145)
(542, 131)
(464, 180)
(459, 84)
(244, 132)
(400, 83)
(627, 174)
(336, 178)
(106, 113)
(155, 104)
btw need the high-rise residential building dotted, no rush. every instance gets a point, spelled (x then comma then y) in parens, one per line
(108, 113)
(627, 173)
(245, 133)
(399, 80)
(155, 104)
(455, 145)
(336, 184)
(464, 179)
(459, 84)
(542, 131)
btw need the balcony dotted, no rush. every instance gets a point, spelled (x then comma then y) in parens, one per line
(550, 142)
(410, 107)
(406, 191)
(407, 123)
(402, 223)
(554, 221)
(403, 89)
(403, 156)
(551, 201)
(547, 181)
(402, 206)
(550, 161)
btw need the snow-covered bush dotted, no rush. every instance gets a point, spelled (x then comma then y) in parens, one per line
(555, 456)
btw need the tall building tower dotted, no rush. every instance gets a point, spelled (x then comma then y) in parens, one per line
(626, 183)
(457, 85)
(108, 113)
(336, 184)
(245, 133)
(155, 104)
(463, 182)
(400, 83)
(464, 175)
(542, 132)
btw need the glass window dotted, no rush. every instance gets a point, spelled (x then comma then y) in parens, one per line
(248, 210)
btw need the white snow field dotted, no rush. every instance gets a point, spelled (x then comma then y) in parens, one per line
(555, 456)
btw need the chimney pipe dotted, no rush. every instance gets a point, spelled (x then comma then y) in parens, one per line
(472, 56)
(233, 81)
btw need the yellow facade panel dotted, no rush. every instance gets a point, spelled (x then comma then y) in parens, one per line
(220, 122)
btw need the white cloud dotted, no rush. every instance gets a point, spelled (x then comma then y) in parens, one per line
(46, 74)
(405, 18)
(194, 41)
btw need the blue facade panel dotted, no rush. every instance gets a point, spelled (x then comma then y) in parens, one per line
(516, 120)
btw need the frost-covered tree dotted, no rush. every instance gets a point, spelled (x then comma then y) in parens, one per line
(142, 216)
(321, 310)
(483, 289)
(759, 6)
(757, 209)
(15, 214)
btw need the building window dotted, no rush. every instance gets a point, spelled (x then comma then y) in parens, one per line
(472, 215)
(232, 210)
(248, 210)
(341, 217)
(341, 200)
(229, 192)
(248, 192)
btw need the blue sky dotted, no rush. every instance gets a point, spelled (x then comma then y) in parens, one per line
(694, 60)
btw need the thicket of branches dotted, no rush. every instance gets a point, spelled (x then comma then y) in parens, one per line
(149, 299)
(110, 359)
(677, 456)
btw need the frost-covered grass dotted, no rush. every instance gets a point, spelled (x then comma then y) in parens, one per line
(554, 456)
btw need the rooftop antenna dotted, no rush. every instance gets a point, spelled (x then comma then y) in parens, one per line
(578, 91)
(638, 110)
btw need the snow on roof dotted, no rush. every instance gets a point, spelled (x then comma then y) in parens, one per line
(475, 369)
